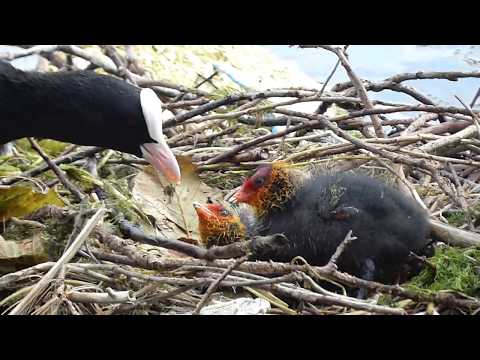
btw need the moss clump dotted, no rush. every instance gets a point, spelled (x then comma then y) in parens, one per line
(82, 177)
(55, 236)
(356, 134)
(456, 218)
(456, 269)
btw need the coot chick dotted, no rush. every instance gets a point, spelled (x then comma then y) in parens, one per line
(316, 212)
(84, 108)
(219, 226)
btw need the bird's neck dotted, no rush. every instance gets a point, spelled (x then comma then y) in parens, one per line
(27, 98)
(11, 83)
(79, 107)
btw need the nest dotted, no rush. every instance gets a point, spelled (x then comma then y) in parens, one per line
(85, 249)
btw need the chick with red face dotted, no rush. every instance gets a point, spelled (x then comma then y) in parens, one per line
(219, 226)
(315, 213)
(269, 188)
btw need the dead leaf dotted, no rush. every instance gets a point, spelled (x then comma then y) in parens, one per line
(30, 247)
(172, 205)
(20, 201)
(19, 254)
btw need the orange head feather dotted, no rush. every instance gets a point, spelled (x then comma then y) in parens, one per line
(218, 226)
(268, 188)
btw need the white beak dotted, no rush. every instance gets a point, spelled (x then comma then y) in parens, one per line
(158, 154)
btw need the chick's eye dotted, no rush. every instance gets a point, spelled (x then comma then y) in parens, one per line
(259, 182)
(224, 212)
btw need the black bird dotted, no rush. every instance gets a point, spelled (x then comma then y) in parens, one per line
(84, 108)
(315, 213)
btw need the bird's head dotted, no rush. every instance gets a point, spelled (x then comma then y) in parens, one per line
(268, 188)
(218, 225)
(157, 153)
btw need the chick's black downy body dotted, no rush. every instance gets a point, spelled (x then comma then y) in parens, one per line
(387, 225)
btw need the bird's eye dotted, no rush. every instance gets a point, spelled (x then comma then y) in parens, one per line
(259, 181)
(224, 212)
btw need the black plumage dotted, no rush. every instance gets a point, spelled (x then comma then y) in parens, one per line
(84, 108)
(78, 107)
(322, 209)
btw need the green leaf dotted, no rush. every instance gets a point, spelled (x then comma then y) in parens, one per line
(19, 201)
(9, 170)
(82, 176)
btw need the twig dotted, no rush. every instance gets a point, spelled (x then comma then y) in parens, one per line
(475, 117)
(215, 252)
(167, 84)
(453, 236)
(77, 226)
(59, 292)
(318, 121)
(112, 297)
(65, 159)
(362, 92)
(475, 98)
(447, 141)
(418, 123)
(61, 176)
(329, 77)
(31, 51)
(152, 262)
(340, 249)
(27, 301)
(215, 284)
(27, 223)
(9, 281)
(132, 62)
(461, 197)
(99, 60)
(347, 301)
(447, 75)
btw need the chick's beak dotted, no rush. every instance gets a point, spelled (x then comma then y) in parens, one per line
(240, 196)
(203, 212)
(161, 157)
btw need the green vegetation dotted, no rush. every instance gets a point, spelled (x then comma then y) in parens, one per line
(456, 269)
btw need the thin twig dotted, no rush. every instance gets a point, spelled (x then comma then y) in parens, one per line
(27, 301)
(63, 159)
(461, 197)
(213, 286)
(61, 176)
(475, 117)
(340, 249)
(112, 297)
(362, 92)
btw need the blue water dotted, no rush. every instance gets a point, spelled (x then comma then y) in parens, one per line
(377, 62)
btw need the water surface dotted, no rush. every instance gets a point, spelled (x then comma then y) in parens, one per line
(377, 62)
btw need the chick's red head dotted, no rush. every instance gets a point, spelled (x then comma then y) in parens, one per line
(268, 189)
(212, 212)
(218, 225)
(254, 187)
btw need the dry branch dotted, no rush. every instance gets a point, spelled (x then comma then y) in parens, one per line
(149, 261)
(112, 297)
(27, 301)
(61, 176)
